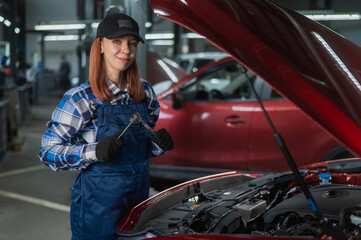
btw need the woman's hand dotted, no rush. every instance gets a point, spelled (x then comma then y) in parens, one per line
(109, 148)
(163, 139)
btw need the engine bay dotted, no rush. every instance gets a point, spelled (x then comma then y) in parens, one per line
(271, 205)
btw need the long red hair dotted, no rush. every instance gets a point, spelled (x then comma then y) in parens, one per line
(97, 76)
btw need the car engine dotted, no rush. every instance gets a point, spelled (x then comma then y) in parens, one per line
(272, 205)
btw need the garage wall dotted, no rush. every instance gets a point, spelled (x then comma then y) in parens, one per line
(50, 10)
(55, 10)
(349, 29)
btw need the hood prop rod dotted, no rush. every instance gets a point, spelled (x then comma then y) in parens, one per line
(324, 222)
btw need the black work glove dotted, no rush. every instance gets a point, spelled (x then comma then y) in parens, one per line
(109, 148)
(163, 139)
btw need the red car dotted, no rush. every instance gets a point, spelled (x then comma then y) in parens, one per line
(316, 69)
(235, 205)
(217, 124)
(313, 67)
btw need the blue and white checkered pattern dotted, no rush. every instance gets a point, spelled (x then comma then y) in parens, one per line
(69, 143)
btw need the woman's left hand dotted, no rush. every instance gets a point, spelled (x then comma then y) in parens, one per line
(163, 139)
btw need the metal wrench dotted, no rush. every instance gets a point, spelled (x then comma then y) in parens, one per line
(132, 120)
(139, 119)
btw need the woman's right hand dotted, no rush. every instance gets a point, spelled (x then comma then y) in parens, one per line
(109, 148)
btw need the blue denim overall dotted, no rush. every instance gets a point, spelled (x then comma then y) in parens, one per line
(104, 190)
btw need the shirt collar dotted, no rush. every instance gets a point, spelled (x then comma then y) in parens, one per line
(114, 88)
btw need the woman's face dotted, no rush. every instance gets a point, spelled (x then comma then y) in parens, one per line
(119, 53)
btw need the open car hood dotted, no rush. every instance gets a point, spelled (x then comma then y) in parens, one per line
(304, 61)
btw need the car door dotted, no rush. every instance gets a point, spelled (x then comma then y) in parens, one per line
(305, 140)
(211, 128)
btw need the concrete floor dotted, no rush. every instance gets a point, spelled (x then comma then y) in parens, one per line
(34, 200)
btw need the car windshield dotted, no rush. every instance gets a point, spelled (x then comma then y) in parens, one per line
(225, 83)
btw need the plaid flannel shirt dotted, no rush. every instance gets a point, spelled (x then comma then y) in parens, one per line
(69, 143)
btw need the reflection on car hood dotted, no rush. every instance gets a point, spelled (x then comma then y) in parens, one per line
(306, 62)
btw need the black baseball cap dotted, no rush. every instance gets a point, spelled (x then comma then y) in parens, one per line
(117, 25)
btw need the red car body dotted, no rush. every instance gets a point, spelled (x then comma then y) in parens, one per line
(311, 65)
(232, 132)
(234, 205)
(300, 58)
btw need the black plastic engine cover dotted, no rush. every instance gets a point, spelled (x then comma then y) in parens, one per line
(330, 199)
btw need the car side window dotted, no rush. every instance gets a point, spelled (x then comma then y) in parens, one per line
(184, 64)
(275, 95)
(227, 83)
(198, 63)
(264, 90)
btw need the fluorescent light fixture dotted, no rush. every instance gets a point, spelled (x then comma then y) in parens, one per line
(334, 17)
(7, 23)
(1, 18)
(330, 15)
(169, 36)
(147, 24)
(47, 27)
(162, 42)
(61, 37)
(151, 36)
(17, 30)
(95, 25)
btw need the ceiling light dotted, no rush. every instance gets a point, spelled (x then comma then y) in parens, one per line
(47, 27)
(330, 15)
(147, 24)
(17, 30)
(7, 23)
(95, 25)
(154, 36)
(1, 19)
(335, 17)
(150, 36)
(162, 42)
(61, 37)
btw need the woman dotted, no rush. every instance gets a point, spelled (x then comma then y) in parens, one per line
(85, 127)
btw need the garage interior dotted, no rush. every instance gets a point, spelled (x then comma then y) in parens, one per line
(34, 200)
